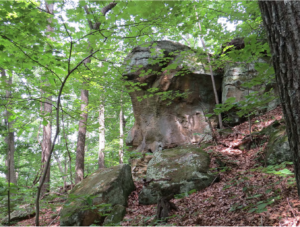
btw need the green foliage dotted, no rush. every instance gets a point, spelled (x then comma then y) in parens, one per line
(39, 61)
(185, 194)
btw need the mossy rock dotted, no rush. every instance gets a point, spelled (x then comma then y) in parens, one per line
(21, 213)
(105, 187)
(175, 171)
(278, 148)
(116, 216)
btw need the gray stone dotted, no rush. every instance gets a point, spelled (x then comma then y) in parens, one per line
(116, 216)
(176, 171)
(88, 198)
(139, 167)
(278, 149)
(232, 86)
(173, 69)
(21, 213)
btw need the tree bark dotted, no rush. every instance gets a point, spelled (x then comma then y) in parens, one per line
(46, 143)
(47, 130)
(121, 149)
(281, 20)
(67, 147)
(211, 74)
(84, 98)
(10, 137)
(101, 163)
(79, 166)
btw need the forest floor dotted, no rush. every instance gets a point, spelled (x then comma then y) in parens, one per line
(248, 193)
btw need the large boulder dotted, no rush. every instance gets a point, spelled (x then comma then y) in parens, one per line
(176, 171)
(100, 194)
(21, 213)
(170, 90)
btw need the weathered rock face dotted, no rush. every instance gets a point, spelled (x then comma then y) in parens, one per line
(278, 149)
(24, 212)
(232, 86)
(105, 186)
(139, 167)
(175, 171)
(166, 66)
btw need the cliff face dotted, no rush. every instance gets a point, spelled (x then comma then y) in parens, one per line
(175, 91)
(161, 122)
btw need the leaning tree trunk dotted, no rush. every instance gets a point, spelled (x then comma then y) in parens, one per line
(281, 20)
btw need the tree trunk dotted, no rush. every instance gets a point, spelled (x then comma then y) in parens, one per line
(81, 135)
(211, 74)
(46, 143)
(79, 167)
(281, 20)
(62, 171)
(47, 130)
(67, 147)
(121, 149)
(101, 163)
(10, 137)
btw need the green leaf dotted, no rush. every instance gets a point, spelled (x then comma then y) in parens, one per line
(45, 122)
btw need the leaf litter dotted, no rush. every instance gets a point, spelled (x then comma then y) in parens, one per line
(245, 195)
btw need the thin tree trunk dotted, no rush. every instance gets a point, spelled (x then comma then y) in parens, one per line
(66, 171)
(67, 147)
(121, 149)
(62, 171)
(211, 75)
(47, 130)
(281, 20)
(79, 166)
(46, 143)
(101, 163)
(10, 137)
(8, 141)
(44, 185)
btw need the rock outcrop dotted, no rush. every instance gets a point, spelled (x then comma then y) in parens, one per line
(101, 198)
(278, 149)
(23, 212)
(232, 87)
(176, 171)
(175, 92)
(139, 167)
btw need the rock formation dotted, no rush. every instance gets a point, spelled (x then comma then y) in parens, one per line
(139, 167)
(278, 149)
(23, 212)
(176, 171)
(105, 190)
(235, 76)
(161, 122)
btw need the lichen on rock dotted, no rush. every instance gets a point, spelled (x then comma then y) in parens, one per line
(175, 171)
(103, 189)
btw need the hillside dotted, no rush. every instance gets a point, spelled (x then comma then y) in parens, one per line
(247, 193)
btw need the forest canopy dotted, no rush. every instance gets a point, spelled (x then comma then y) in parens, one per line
(64, 103)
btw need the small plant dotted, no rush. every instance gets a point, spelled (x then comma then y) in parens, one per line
(185, 194)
